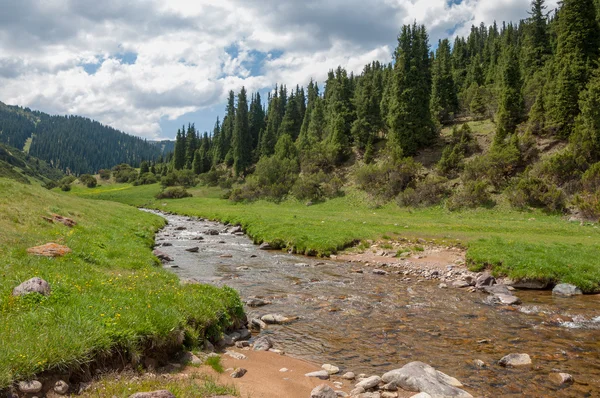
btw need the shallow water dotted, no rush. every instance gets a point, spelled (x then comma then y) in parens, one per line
(370, 323)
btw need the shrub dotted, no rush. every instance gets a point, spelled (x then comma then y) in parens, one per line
(146, 179)
(497, 166)
(104, 174)
(88, 180)
(317, 186)
(185, 178)
(461, 145)
(173, 193)
(588, 204)
(431, 191)
(591, 178)
(472, 194)
(386, 180)
(65, 187)
(212, 177)
(124, 173)
(536, 192)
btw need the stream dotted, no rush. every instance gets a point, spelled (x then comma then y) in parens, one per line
(371, 324)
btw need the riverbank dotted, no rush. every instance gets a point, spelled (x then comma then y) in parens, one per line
(102, 300)
(520, 245)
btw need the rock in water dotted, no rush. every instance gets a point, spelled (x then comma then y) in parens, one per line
(30, 387)
(153, 394)
(561, 378)
(263, 343)
(319, 374)
(162, 256)
(515, 360)
(265, 246)
(368, 383)
(256, 302)
(276, 319)
(323, 391)
(566, 290)
(33, 285)
(485, 279)
(420, 377)
(49, 250)
(193, 249)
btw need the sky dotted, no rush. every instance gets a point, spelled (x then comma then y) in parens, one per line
(147, 67)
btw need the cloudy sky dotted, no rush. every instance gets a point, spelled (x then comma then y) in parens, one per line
(147, 66)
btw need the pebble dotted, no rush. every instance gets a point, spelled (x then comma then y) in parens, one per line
(515, 360)
(330, 369)
(561, 378)
(349, 376)
(319, 374)
(239, 372)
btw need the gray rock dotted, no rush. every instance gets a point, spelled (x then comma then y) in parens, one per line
(369, 382)
(319, 374)
(369, 395)
(263, 343)
(239, 372)
(235, 355)
(242, 344)
(162, 256)
(479, 363)
(502, 299)
(208, 346)
(235, 230)
(566, 290)
(257, 324)
(355, 392)
(193, 249)
(30, 387)
(349, 376)
(265, 246)
(536, 284)
(389, 387)
(331, 369)
(421, 395)
(380, 272)
(153, 394)
(389, 394)
(485, 279)
(323, 391)
(420, 377)
(235, 336)
(244, 334)
(561, 378)
(515, 360)
(256, 302)
(274, 319)
(461, 284)
(61, 387)
(166, 244)
(341, 394)
(225, 341)
(33, 285)
(443, 286)
(498, 289)
(212, 232)
(189, 357)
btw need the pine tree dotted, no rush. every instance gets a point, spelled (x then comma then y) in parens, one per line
(242, 140)
(339, 114)
(179, 155)
(257, 120)
(191, 143)
(511, 101)
(537, 46)
(217, 154)
(444, 101)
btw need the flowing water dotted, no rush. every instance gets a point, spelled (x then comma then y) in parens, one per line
(371, 324)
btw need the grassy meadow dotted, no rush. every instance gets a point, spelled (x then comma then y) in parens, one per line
(517, 244)
(109, 294)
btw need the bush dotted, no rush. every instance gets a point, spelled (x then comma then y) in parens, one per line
(104, 174)
(536, 192)
(173, 193)
(146, 179)
(88, 180)
(212, 177)
(185, 178)
(588, 204)
(461, 145)
(124, 173)
(472, 194)
(591, 178)
(316, 187)
(497, 166)
(431, 191)
(386, 180)
(65, 187)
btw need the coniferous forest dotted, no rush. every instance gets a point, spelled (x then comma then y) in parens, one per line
(537, 81)
(72, 143)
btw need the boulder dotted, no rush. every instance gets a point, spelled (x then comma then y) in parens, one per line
(566, 290)
(162, 256)
(212, 232)
(277, 319)
(30, 387)
(498, 289)
(503, 299)
(256, 323)
(515, 360)
(61, 387)
(153, 394)
(239, 372)
(263, 343)
(193, 249)
(369, 382)
(235, 355)
(331, 369)
(189, 357)
(225, 341)
(323, 391)
(319, 374)
(33, 285)
(235, 230)
(349, 376)
(535, 284)
(561, 378)
(49, 250)
(256, 302)
(485, 279)
(420, 377)
(265, 246)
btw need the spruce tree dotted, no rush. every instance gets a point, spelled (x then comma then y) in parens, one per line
(217, 154)
(179, 154)
(444, 101)
(242, 140)
(511, 101)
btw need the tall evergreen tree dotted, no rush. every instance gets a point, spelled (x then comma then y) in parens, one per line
(179, 154)
(511, 101)
(217, 147)
(256, 120)
(242, 140)
(444, 101)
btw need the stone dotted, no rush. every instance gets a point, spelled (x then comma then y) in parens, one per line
(235, 355)
(197, 238)
(68, 222)
(276, 351)
(561, 378)
(242, 344)
(263, 343)
(470, 280)
(162, 256)
(349, 376)
(212, 232)
(244, 334)
(225, 256)
(243, 268)
(461, 284)
(277, 319)
(208, 346)
(355, 392)
(283, 370)
(379, 272)
(166, 244)
(235, 336)
(257, 324)
(189, 357)
(331, 369)
(566, 290)
(61, 387)
(389, 394)
(323, 391)
(341, 394)
(479, 363)
(265, 246)
(535, 284)
(443, 286)
(239, 372)
(153, 394)
(485, 279)
(49, 250)
(33, 285)
(497, 289)
(256, 302)
(369, 382)
(421, 395)
(515, 360)
(504, 299)
(319, 374)
(235, 230)
(225, 341)
(389, 387)
(182, 228)
(369, 395)
(193, 249)
(420, 377)
(30, 387)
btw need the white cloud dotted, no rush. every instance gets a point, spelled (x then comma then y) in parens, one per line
(182, 63)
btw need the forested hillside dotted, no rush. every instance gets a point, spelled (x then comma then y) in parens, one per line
(72, 143)
(536, 83)
(18, 166)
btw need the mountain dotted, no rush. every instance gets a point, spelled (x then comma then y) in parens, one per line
(72, 143)
(19, 166)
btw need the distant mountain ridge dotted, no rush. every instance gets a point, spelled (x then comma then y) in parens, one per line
(74, 143)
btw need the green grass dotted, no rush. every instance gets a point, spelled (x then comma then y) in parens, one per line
(215, 363)
(109, 294)
(516, 244)
(194, 386)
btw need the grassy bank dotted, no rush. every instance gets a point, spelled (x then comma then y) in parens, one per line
(517, 244)
(109, 293)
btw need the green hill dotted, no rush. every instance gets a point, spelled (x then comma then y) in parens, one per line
(19, 166)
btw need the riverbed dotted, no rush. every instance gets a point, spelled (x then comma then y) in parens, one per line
(369, 323)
